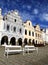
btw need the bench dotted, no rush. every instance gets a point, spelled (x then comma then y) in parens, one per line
(30, 48)
(12, 49)
(18, 49)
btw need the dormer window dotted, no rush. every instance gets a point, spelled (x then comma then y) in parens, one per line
(3, 19)
(29, 23)
(6, 18)
(15, 20)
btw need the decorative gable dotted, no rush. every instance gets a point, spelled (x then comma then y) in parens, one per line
(38, 27)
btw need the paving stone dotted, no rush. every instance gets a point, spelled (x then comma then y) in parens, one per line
(28, 59)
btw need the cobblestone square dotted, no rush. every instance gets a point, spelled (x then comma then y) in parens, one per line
(28, 59)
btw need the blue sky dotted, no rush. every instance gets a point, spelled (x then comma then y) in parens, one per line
(34, 10)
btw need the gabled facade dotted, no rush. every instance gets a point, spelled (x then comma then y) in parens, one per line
(38, 35)
(29, 34)
(11, 28)
(33, 34)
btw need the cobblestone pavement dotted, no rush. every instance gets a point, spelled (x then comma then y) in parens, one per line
(27, 59)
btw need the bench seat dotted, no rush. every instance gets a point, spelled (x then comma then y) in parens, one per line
(13, 51)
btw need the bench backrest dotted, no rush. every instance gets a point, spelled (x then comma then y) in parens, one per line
(28, 46)
(12, 47)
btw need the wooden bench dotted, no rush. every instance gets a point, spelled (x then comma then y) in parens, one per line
(10, 48)
(30, 48)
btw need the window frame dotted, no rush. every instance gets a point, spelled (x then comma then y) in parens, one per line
(25, 32)
(14, 29)
(8, 27)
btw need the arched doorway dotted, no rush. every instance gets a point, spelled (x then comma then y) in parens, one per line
(36, 41)
(33, 42)
(25, 41)
(29, 41)
(20, 41)
(13, 41)
(4, 40)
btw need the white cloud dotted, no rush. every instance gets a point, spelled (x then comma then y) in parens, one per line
(28, 6)
(45, 16)
(23, 6)
(35, 11)
(26, 16)
(42, 25)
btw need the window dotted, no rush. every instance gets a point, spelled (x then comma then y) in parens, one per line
(8, 27)
(14, 29)
(20, 30)
(29, 33)
(6, 18)
(36, 34)
(29, 23)
(25, 32)
(32, 33)
(3, 19)
(15, 20)
(25, 41)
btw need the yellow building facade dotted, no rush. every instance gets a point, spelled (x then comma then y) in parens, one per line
(38, 35)
(33, 34)
(29, 34)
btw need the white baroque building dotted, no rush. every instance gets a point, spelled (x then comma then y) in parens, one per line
(11, 28)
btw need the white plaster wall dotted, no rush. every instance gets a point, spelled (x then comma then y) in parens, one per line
(10, 33)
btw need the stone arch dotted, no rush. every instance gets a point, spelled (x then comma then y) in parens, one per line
(4, 40)
(36, 41)
(20, 41)
(29, 41)
(13, 41)
(33, 41)
(25, 41)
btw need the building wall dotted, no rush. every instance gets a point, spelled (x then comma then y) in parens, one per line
(28, 26)
(10, 21)
(46, 36)
(38, 35)
(11, 25)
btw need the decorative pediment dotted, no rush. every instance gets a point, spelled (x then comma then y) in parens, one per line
(13, 16)
(28, 23)
(38, 27)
